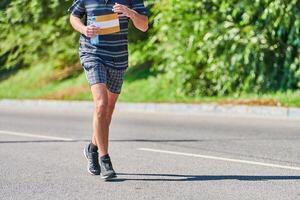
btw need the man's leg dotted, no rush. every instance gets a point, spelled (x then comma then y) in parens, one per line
(112, 99)
(100, 125)
(100, 129)
(104, 106)
(103, 119)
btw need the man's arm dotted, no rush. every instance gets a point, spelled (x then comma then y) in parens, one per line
(139, 21)
(89, 31)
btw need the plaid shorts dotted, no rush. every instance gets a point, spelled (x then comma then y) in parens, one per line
(97, 72)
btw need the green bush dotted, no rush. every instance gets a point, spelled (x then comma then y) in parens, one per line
(35, 30)
(219, 47)
(207, 47)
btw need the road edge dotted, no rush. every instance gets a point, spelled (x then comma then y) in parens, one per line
(179, 108)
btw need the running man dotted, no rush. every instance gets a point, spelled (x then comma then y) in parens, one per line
(103, 53)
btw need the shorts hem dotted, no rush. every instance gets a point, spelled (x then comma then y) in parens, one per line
(112, 91)
(115, 92)
(94, 83)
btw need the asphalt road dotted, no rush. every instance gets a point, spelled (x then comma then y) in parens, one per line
(156, 156)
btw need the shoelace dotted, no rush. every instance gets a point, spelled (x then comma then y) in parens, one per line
(94, 161)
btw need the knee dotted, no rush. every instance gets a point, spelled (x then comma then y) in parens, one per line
(100, 108)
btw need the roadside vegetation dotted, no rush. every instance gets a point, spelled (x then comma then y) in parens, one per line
(224, 51)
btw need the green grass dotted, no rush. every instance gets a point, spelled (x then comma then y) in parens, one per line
(30, 83)
(140, 86)
(151, 90)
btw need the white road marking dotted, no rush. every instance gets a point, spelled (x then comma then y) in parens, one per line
(34, 135)
(221, 158)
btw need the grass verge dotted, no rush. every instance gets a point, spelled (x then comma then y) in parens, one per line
(43, 82)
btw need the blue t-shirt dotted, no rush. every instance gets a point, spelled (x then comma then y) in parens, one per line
(110, 48)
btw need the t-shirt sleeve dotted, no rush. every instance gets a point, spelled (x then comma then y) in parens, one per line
(139, 7)
(77, 8)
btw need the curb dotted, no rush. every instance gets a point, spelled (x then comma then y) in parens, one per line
(178, 108)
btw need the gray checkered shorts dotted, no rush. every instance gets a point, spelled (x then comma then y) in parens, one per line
(97, 72)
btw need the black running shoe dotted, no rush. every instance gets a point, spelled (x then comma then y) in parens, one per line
(107, 171)
(93, 166)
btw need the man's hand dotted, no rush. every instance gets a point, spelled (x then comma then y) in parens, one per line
(139, 21)
(91, 31)
(122, 10)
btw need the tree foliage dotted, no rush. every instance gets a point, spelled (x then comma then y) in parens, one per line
(217, 47)
(204, 47)
(32, 30)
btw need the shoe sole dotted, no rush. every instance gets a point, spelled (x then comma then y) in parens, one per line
(108, 177)
(88, 164)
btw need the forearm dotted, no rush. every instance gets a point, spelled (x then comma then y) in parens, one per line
(77, 24)
(139, 21)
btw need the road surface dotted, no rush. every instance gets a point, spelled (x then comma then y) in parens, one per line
(156, 155)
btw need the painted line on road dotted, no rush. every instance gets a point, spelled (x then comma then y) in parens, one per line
(220, 158)
(34, 135)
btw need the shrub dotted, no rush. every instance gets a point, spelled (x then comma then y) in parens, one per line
(35, 30)
(219, 47)
(207, 47)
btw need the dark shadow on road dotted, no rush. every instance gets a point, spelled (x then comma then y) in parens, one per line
(177, 177)
(158, 140)
(87, 140)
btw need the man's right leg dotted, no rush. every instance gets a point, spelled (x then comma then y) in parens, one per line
(112, 99)
(99, 143)
(100, 125)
